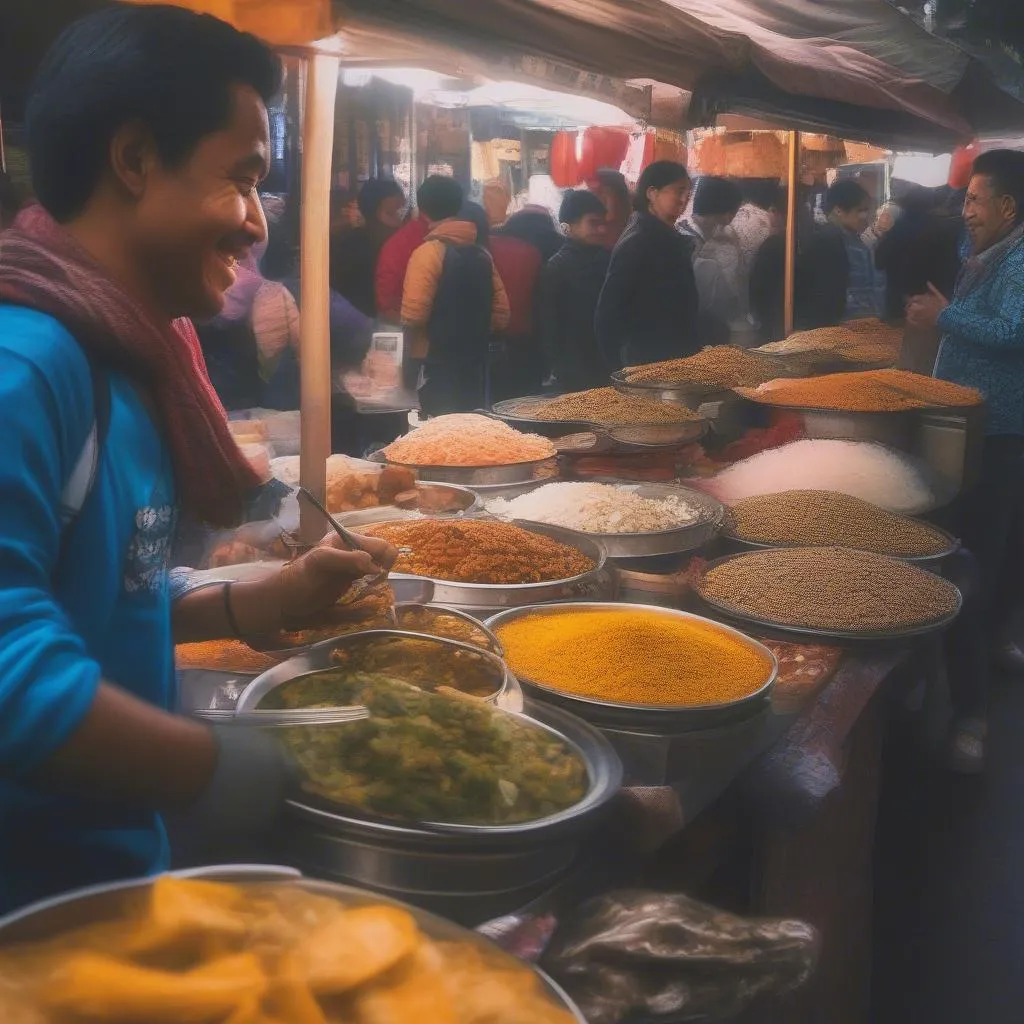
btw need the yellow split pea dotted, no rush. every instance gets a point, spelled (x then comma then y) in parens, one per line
(631, 656)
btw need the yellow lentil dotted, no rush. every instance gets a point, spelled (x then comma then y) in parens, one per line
(632, 656)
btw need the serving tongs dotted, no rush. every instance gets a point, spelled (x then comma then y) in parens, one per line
(361, 586)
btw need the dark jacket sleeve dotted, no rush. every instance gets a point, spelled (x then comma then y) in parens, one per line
(550, 322)
(823, 271)
(611, 321)
(767, 285)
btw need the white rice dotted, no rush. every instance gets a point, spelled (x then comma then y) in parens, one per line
(869, 471)
(596, 508)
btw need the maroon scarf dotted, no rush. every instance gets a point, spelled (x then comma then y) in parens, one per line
(42, 267)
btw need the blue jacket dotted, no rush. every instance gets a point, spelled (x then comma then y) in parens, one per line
(99, 610)
(983, 342)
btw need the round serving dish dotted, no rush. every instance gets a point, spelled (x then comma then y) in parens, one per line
(51, 918)
(437, 499)
(469, 873)
(320, 657)
(596, 583)
(678, 393)
(654, 543)
(772, 630)
(468, 476)
(623, 435)
(645, 717)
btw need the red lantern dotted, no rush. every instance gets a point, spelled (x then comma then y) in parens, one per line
(601, 147)
(562, 160)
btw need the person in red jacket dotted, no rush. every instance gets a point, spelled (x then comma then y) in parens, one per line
(517, 366)
(392, 265)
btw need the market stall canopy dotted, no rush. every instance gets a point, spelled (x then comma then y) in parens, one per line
(290, 23)
(859, 68)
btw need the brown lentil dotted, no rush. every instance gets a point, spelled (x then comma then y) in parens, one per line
(829, 588)
(605, 405)
(632, 656)
(719, 366)
(864, 391)
(822, 518)
(479, 551)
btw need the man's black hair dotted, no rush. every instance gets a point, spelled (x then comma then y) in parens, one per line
(577, 203)
(1005, 169)
(716, 196)
(165, 66)
(439, 197)
(846, 194)
(374, 192)
(476, 214)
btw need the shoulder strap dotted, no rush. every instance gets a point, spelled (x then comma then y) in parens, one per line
(80, 483)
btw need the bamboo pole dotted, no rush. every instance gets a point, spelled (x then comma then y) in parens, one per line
(314, 261)
(793, 186)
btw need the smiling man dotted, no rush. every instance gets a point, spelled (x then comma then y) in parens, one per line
(147, 134)
(983, 347)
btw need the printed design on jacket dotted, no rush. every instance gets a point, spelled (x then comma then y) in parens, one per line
(149, 551)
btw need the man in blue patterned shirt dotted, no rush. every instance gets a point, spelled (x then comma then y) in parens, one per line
(983, 347)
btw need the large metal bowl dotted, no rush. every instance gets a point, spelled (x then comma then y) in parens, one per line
(645, 717)
(623, 435)
(773, 630)
(596, 583)
(652, 543)
(320, 656)
(438, 499)
(468, 873)
(512, 473)
(677, 393)
(53, 918)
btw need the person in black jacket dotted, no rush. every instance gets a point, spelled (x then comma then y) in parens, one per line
(570, 285)
(648, 306)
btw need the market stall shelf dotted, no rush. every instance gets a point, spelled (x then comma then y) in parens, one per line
(663, 718)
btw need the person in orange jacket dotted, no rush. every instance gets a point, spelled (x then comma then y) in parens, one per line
(453, 300)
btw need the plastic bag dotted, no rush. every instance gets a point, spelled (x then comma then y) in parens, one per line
(665, 957)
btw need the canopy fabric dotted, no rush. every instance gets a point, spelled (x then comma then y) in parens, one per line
(858, 66)
(279, 22)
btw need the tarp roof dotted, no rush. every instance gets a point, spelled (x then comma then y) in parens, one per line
(858, 67)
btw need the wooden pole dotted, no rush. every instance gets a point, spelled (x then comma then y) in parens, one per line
(314, 261)
(793, 187)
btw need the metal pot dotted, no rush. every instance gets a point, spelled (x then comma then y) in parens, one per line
(468, 873)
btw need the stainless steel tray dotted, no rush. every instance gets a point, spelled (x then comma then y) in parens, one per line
(771, 629)
(659, 542)
(513, 473)
(318, 657)
(619, 435)
(596, 583)
(930, 562)
(645, 717)
(52, 918)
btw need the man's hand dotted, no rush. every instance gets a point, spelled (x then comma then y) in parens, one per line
(316, 580)
(924, 310)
